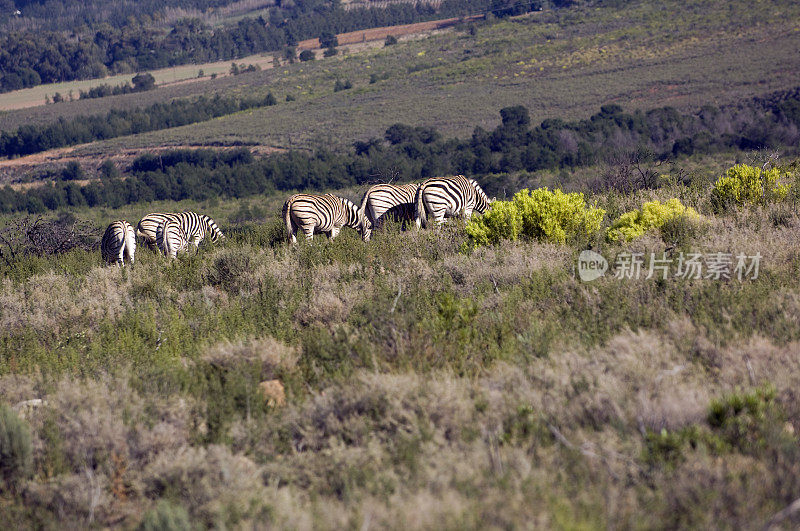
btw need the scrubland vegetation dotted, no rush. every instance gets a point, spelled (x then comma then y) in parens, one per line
(458, 377)
(427, 382)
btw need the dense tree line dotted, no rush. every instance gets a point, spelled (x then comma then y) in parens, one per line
(69, 14)
(31, 58)
(408, 152)
(33, 139)
(141, 83)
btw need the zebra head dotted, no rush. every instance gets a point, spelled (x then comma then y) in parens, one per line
(482, 201)
(366, 225)
(212, 229)
(356, 219)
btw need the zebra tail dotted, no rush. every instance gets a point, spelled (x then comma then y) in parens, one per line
(287, 217)
(420, 214)
(364, 200)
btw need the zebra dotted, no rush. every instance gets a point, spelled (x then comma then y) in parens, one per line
(321, 213)
(148, 225)
(171, 238)
(449, 197)
(195, 226)
(387, 200)
(118, 243)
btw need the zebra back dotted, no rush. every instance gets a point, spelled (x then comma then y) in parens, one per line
(118, 242)
(455, 194)
(148, 226)
(381, 198)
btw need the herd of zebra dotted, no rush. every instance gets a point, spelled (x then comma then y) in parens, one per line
(437, 198)
(165, 232)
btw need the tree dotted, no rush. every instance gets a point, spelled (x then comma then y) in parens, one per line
(328, 40)
(143, 82)
(307, 55)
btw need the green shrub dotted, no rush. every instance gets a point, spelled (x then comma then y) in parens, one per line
(165, 517)
(16, 458)
(748, 421)
(748, 185)
(539, 214)
(654, 214)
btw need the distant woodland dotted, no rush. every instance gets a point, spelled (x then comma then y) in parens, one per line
(405, 151)
(69, 40)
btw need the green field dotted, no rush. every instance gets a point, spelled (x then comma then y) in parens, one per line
(420, 381)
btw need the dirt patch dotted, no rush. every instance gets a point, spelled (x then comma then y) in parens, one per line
(374, 34)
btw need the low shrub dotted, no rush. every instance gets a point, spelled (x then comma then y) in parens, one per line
(165, 517)
(748, 185)
(15, 448)
(653, 214)
(544, 215)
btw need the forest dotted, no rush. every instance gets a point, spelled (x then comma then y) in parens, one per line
(406, 152)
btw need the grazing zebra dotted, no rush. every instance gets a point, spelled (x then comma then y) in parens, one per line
(387, 200)
(321, 213)
(195, 226)
(449, 197)
(118, 243)
(171, 238)
(147, 227)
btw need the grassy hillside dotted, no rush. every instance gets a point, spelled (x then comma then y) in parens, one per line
(426, 385)
(561, 64)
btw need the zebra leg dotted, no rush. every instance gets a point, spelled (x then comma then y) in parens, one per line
(333, 233)
(130, 247)
(439, 216)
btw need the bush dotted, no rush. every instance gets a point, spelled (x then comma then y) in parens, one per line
(654, 214)
(307, 55)
(16, 458)
(165, 517)
(748, 185)
(541, 214)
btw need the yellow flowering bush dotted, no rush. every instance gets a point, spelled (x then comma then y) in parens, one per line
(653, 214)
(550, 216)
(745, 184)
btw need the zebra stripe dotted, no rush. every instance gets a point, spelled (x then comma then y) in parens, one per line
(384, 201)
(148, 225)
(320, 213)
(118, 243)
(195, 226)
(171, 238)
(442, 197)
